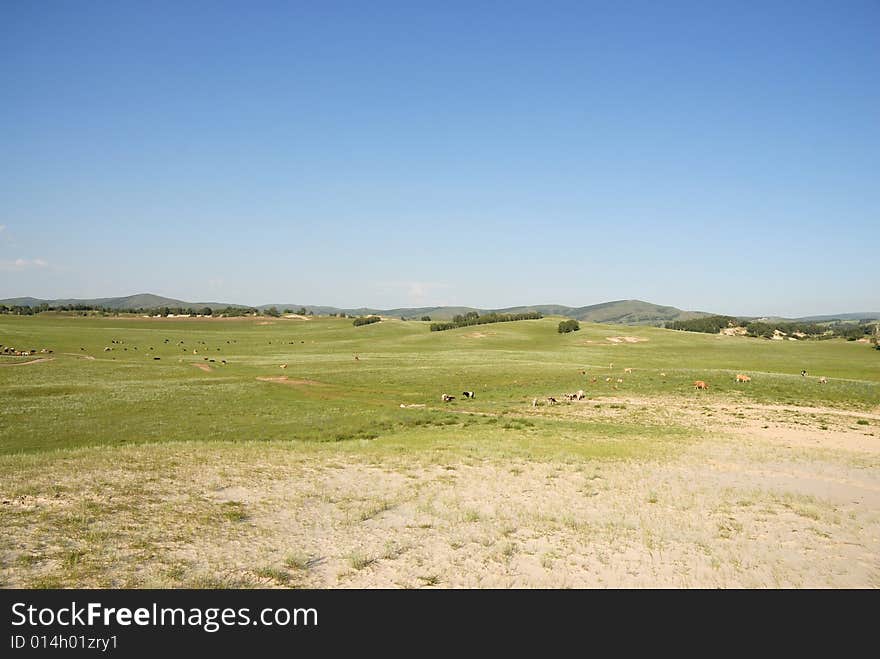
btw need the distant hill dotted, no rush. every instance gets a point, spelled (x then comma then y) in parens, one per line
(619, 312)
(622, 312)
(863, 315)
(139, 301)
(860, 315)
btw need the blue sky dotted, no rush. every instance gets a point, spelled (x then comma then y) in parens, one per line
(708, 155)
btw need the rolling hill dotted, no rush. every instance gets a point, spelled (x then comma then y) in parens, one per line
(619, 312)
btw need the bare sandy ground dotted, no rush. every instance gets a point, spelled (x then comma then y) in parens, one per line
(745, 509)
(767, 496)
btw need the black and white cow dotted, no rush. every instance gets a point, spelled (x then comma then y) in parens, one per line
(468, 394)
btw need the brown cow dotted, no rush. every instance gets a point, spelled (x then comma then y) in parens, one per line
(699, 384)
(743, 378)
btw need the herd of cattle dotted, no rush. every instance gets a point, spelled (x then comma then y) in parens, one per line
(9, 351)
(581, 395)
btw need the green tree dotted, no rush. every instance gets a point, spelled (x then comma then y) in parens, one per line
(273, 311)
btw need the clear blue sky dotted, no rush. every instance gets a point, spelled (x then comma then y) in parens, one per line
(708, 155)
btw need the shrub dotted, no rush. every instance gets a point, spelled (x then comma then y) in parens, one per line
(366, 320)
(567, 326)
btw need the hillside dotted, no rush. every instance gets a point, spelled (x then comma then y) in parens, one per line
(620, 312)
(139, 301)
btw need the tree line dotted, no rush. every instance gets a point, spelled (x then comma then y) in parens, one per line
(768, 329)
(709, 324)
(473, 318)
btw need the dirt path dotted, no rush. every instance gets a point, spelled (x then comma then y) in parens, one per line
(81, 356)
(33, 361)
(283, 379)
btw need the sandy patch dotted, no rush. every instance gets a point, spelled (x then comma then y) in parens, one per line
(740, 507)
(296, 316)
(204, 367)
(265, 322)
(781, 425)
(477, 335)
(283, 379)
(80, 355)
(625, 339)
(33, 361)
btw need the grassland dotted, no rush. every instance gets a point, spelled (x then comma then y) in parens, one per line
(117, 468)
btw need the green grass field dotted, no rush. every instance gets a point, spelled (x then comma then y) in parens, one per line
(126, 396)
(121, 470)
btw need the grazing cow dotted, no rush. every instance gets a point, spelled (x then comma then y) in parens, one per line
(594, 380)
(627, 370)
(804, 373)
(607, 379)
(468, 394)
(282, 366)
(611, 365)
(551, 400)
(663, 375)
(699, 384)
(157, 358)
(743, 378)
(569, 396)
(222, 361)
(823, 380)
(580, 395)
(534, 402)
(356, 358)
(620, 380)
(447, 398)
(583, 372)
(107, 349)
